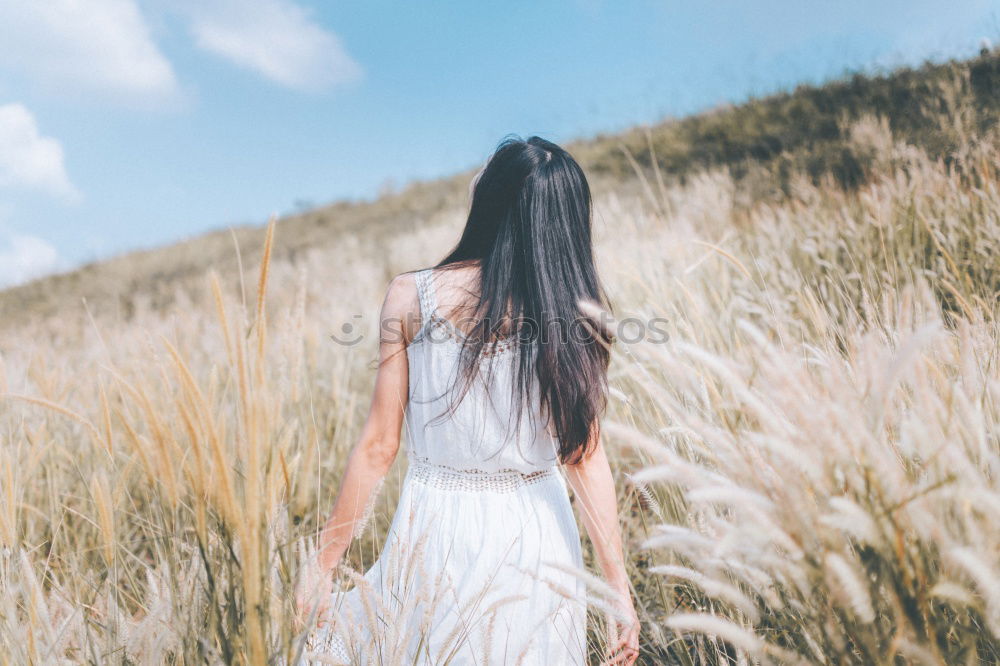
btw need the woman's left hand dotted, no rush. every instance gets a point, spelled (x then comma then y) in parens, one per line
(623, 634)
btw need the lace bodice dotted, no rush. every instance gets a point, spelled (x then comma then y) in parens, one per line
(480, 433)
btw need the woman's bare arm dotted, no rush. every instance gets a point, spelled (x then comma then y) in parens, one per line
(377, 445)
(594, 488)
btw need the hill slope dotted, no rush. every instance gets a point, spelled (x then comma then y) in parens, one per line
(761, 141)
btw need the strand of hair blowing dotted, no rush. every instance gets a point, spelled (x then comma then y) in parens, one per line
(529, 228)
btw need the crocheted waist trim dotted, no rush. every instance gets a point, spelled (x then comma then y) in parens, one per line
(445, 477)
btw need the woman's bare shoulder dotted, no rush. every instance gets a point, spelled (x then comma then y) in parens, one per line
(401, 307)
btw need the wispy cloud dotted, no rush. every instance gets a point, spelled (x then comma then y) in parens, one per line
(275, 38)
(28, 159)
(24, 257)
(101, 46)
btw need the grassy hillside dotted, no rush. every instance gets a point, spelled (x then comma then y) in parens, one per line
(153, 278)
(762, 143)
(807, 467)
(808, 129)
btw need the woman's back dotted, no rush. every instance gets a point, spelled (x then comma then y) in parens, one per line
(479, 559)
(477, 430)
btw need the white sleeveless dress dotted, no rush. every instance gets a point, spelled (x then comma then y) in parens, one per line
(478, 563)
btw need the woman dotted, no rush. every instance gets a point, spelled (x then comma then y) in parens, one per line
(484, 359)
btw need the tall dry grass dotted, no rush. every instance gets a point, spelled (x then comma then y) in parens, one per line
(808, 466)
(820, 438)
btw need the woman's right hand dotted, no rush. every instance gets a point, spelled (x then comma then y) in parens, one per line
(312, 593)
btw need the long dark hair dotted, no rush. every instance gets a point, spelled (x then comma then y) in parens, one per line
(529, 230)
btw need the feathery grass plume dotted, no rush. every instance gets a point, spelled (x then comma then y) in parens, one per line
(848, 586)
(713, 625)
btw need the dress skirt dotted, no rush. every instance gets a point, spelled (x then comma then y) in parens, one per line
(478, 569)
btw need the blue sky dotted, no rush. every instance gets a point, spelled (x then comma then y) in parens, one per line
(133, 123)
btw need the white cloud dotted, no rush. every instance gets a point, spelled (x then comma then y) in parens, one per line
(24, 257)
(84, 46)
(28, 159)
(276, 38)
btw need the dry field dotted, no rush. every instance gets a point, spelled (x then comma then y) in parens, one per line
(809, 467)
